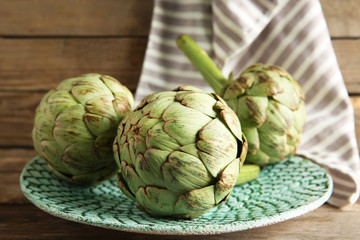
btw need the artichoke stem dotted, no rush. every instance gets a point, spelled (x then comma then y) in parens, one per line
(248, 173)
(202, 62)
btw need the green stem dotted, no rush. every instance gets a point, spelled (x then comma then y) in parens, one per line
(248, 173)
(202, 62)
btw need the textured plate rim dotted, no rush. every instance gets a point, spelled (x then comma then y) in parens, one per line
(170, 230)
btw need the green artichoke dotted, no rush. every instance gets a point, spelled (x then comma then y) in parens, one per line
(75, 126)
(267, 100)
(179, 153)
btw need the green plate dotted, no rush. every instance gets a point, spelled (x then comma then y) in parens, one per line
(282, 191)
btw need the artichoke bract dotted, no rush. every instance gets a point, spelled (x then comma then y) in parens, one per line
(267, 100)
(75, 126)
(179, 153)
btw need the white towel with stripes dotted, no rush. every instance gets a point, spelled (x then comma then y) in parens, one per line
(288, 33)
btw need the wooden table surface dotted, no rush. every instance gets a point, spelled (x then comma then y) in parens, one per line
(45, 41)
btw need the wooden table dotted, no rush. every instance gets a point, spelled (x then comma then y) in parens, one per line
(45, 41)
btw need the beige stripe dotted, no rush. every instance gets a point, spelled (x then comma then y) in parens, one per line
(181, 29)
(273, 39)
(175, 58)
(344, 189)
(171, 75)
(166, 63)
(320, 127)
(325, 85)
(184, 22)
(190, 14)
(304, 47)
(184, 6)
(229, 32)
(171, 36)
(267, 40)
(311, 15)
(265, 5)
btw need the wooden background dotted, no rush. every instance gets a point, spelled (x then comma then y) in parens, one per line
(45, 41)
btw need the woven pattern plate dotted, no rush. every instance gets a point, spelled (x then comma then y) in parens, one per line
(282, 191)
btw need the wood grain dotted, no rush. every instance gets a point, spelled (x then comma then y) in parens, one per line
(12, 161)
(348, 56)
(75, 18)
(27, 222)
(126, 18)
(40, 64)
(342, 17)
(355, 100)
(17, 116)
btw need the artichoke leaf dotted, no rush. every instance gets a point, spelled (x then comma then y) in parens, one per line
(43, 129)
(155, 159)
(279, 119)
(145, 124)
(80, 158)
(196, 201)
(290, 96)
(252, 137)
(94, 178)
(91, 87)
(70, 127)
(299, 117)
(259, 157)
(199, 101)
(227, 181)
(118, 90)
(157, 201)
(144, 168)
(155, 109)
(274, 145)
(231, 120)
(57, 102)
(184, 130)
(124, 187)
(158, 138)
(252, 110)
(136, 146)
(52, 152)
(265, 83)
(98, 124)
(184, 172)
(190, 149)
(131, 177)
(218, 147)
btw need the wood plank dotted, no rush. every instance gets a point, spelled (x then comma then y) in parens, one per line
(12, 161)
(342, 17)
(355, 100)
(40, 64)
(348, 56)
(17, 117)
(25, 221)
(75, 18)
(121, 17)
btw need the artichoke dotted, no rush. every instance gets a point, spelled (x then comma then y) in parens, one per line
(267, 100)
(75, 126)
(179, 153)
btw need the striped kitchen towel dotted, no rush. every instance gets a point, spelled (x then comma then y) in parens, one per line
(288, 33)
